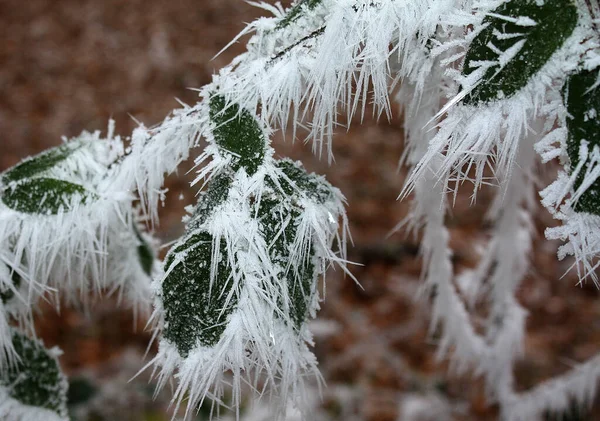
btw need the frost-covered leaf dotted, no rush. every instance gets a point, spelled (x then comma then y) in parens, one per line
(520, 37)
(35, 381)
(145, 253)
(215, 193)
(582, 99)
(279, 222)
(280, 216)
(237, 132)
(44, 196)
(38, 164)
(300, 181)
(239, 287)
(196, 306)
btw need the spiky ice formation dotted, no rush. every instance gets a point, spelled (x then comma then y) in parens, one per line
(514, 57)
(573, 197)
(67, 228)
(322, 56)
(241, 284)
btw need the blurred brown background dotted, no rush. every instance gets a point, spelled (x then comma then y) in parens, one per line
(70, 65)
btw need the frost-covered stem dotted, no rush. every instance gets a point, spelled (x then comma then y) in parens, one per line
(428, 211)
(506, 263)
(578, 386)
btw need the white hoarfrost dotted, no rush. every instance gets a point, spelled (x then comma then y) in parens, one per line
(328, 55)
(88, 245)
(473, 139)
(311, 64)
(261, 345)
(13, 410)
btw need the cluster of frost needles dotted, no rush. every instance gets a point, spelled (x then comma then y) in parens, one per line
(483, 84)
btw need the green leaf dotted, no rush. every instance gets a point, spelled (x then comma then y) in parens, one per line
(44, 196)
(554, 20)
(238, 132)
(279, 216)
(37, 379)
(194, 312)
(38, 164)
(575, 412)
(295, 12)
(145, 253)
(582, 99)
(279, 213)
(312, 185)
(216, 193)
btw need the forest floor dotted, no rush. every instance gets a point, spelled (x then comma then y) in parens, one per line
(70, 65)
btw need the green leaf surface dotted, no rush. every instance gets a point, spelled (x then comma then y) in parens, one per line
(238, 132)
(44, 196)
(554, 20)
(215, 193)
(582, 99)
(279, 225)
(312, 185)
(38, 164)
(36, 380)
(195, 313)
(145, 253)
(81, 391)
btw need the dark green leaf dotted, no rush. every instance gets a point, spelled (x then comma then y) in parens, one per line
(45, 196)
(145, 253)
(582, 99)
(555, 21)
(575, 413)
(279, 224)
(312, 185)
(238, 132)
(216, 192)
(38, 164)
(81, 390)
(36, 380)
(195, 313)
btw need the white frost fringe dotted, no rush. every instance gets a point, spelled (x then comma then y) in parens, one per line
(13, 410)
(580, 231)
(331, 57)
(259, 348)
(474, 137)
(90, 247)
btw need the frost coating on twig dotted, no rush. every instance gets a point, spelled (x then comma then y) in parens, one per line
(153, 153)
(323, 56)
(239, 286)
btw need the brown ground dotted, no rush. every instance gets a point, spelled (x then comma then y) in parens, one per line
(70, 65)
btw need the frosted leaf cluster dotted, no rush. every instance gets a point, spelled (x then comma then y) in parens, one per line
(240, 285)
(484, 85)
(68, 233)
